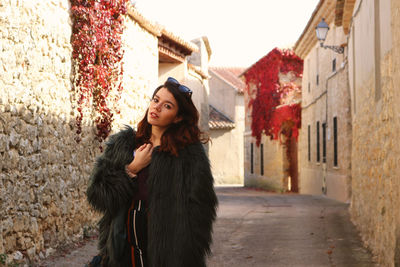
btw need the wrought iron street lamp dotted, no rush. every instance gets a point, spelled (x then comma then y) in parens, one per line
(322, 30)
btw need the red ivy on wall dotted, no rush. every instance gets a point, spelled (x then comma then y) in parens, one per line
(96, 43)
(266, 117)
(288, 113)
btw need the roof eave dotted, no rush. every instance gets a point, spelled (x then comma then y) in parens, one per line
(151, 27)
(308, 39)
(161, 32)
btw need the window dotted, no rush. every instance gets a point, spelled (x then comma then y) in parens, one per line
(262, 159)
(377, 55)
(335, 145)
(308, 74)
(334, 65)
(324, 142)
(318, 159)
(309, 143)
(317, 80)
(251, 158)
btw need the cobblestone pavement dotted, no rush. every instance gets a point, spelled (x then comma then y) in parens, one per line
(257, 228)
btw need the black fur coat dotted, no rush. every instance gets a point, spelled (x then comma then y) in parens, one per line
(182, 202)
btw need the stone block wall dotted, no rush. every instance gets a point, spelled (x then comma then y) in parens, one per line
(44, 172)
(273, 164)
(375, 171)
(325, 95)
(376, 149)
(338, 178)
(334, 102)
(273, 157)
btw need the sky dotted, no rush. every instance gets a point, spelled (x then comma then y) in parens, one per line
(240, 32)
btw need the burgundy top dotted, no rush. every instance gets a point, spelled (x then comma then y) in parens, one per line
(141, 177)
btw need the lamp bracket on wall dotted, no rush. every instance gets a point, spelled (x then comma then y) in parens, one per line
(322, 30)
(337, 49)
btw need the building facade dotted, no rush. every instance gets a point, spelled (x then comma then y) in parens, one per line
(326, 133)
(198, 80)
(367, 100)
(270, 162)
(373, 60)
(226, 125)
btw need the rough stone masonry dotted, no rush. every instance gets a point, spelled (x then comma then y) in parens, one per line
(44, 172)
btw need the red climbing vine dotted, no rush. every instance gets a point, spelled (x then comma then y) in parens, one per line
(267, 116)
(287, 113)
(96, 42)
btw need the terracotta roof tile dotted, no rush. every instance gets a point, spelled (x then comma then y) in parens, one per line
(151, 27)
(179, 40)
(231, 76)
(198, 71)
(218, 120)
(339, 12)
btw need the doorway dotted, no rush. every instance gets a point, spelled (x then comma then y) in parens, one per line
(290, 181)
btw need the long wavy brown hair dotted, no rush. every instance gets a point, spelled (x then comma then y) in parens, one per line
(177, 135)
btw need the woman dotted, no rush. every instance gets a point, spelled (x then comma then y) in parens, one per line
(155, 188)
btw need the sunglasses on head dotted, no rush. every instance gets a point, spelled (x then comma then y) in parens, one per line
(181, 87)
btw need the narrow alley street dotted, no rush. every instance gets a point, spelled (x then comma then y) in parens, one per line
(256, 228)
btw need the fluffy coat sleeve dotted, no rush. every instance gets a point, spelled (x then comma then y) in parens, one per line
(110, 188)
(201, 207)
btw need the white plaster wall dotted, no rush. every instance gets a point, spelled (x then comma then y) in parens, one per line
(226, 150)
(199, 97)
(222, 96)
(175, 70)
(140, 79)
(224, 157)
(227, 169)
(239, 133)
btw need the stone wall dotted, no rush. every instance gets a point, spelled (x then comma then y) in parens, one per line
(376, 126)
(44, 171)
(273, 154)
(325, 95)
(273, 162)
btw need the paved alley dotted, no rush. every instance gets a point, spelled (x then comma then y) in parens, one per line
(256, 228)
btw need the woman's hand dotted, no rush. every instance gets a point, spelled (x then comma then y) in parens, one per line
(141, 160)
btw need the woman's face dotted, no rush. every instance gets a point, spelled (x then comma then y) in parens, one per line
(163, 109)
